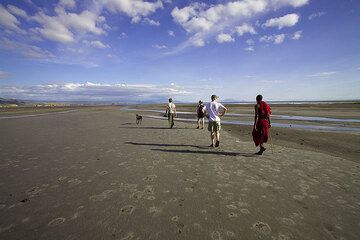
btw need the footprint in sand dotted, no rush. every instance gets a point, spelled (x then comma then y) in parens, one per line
(128, 209)
(102, 196)
(128, 236)
(61, 179)
(216, 235)
(232, 215)
(230, 234)
(150, 178)
(298, 197)
(56, 221)
(262, 228)
(149, 189)
(231, 206)
(288, 221)
(4, 229)
(283, 237)
(74, 181)
(102, 172)
(34, 191)
(175, 218)
(244, 211)
(155, 211)
(137, 195)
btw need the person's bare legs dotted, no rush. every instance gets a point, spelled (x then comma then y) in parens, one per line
(212, 135)
(202, 122)
(198, 123)
(217, 138)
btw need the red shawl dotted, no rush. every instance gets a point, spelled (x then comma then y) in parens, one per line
(265, 108)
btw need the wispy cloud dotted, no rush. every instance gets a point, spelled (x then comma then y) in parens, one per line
(288, 20)
(316, 15)
(95, 91)
(322, 74)
(224, 38)
(159, 46)
(276, 39)
(171, 33)
(4, 74)
(151, 22)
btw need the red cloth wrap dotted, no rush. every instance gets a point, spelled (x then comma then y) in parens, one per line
(265, 109)
(261, 135)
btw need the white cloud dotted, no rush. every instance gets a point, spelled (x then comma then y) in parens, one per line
(63, 26)
(27, 50)
(224, 37)
(136, 9)
(17, 11)
(95, 91)
(95, 44)
(279, 38)
(288, 20)
(123, 35)
(159, 46)
(249, 48)
(204, 21)
(250, 42)
(316, 15)
(9, 21)
(4, 74)
(171, 33)
(293, 3)
(198, 42)
(67, 3)
(276, 39)
(323, 74)
(151, 22)
(297, 35)
(245, 28)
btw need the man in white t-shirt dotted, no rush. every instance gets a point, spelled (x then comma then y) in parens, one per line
(171, 112)
(214, 111)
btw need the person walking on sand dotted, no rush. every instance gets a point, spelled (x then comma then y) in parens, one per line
(261, 124)
(200, 111)
(171, 112)
(213, 111)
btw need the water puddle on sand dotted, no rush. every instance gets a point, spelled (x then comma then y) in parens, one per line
(281, 125)
(281, 117)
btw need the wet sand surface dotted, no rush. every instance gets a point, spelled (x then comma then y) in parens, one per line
(96, 175)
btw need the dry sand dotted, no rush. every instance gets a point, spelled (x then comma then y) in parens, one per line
(96, 175)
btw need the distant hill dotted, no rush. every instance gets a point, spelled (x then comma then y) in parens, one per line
(11, 101)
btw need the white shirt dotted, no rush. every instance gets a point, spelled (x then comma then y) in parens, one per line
(213, 110)
(171, 107)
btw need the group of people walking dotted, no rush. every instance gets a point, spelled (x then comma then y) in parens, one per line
(214, 110)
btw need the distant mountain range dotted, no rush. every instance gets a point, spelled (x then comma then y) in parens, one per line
(11, 101)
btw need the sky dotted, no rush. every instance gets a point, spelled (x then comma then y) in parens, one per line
(144, 51)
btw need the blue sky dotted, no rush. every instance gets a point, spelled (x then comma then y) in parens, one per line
(135, 50)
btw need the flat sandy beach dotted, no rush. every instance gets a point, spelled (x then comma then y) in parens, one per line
(94, 174)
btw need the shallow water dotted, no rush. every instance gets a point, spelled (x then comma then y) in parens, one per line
(282, 125)
(282, 117)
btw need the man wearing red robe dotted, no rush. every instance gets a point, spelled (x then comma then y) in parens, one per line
(261, 124)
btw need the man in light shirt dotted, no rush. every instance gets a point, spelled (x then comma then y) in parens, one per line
(214, 111)
(171, 112)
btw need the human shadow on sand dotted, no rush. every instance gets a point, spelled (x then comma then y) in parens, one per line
(140, 127)
(206, 152)
(165, 145)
